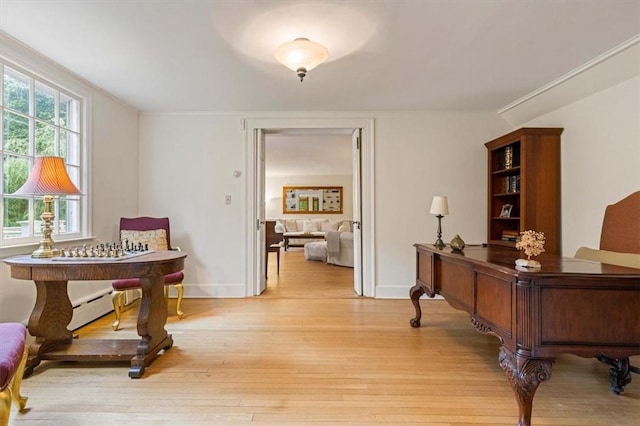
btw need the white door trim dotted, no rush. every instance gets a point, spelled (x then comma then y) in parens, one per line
(367, 176)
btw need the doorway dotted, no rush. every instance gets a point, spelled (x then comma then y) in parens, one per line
(299, 160)
(255, 132)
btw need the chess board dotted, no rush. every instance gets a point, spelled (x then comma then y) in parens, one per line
(108, 252)
(124, 256)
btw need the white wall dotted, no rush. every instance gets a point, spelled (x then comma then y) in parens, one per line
(419, 155)
(186, 169)
(600, 158)
(273, 194)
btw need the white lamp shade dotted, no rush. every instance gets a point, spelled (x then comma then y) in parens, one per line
(301, 53)
(439, 206)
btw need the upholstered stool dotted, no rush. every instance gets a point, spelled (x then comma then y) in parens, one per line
(316, 251)
(13, 358)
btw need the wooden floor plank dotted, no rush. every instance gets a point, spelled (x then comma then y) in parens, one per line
(310, 352)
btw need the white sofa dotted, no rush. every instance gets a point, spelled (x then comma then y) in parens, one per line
(309, 229)
(337, 249)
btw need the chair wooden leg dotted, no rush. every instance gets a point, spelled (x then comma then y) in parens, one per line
(180, 290)
(278, 257)
(19, 400)
(12, 392)
(5, 406)
(117, 298)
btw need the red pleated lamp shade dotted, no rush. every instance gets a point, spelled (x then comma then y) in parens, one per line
(48, 177)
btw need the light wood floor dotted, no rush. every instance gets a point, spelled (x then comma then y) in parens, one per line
(309, 352)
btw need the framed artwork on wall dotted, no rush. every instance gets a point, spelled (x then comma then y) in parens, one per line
(312, 199)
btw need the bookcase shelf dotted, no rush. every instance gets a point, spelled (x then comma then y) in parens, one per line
(524, 186)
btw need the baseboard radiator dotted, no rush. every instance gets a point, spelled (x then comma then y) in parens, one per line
(90, 309)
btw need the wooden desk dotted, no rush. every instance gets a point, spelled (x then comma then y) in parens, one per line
(568, 306)
(53, 311)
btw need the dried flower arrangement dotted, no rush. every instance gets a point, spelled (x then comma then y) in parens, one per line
(532, 243)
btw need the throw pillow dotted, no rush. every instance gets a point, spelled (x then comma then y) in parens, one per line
(309, 227)
(291, 225)
(280, 228)
(330, 225)
(156, 239)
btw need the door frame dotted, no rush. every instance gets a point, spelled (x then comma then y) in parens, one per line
(251, 126)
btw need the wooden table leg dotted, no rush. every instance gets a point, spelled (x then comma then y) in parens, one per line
(524, 376)
(152, 318)
(415, 293)
(48, 322)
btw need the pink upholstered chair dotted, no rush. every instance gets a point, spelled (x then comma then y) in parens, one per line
(155, 233)
(13, 357)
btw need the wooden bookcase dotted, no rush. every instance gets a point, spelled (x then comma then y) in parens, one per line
(524, 173)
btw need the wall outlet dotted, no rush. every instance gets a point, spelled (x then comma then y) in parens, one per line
(227, 199)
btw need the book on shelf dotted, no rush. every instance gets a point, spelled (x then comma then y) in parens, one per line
(508, 157)
(515, 183)
(511, 184)
(510, 235)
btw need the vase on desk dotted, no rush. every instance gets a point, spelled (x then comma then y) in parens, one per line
(457, 243)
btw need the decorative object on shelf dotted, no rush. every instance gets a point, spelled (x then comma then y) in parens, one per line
(301, 55)
(440, 208)
(457, 243)
(506, 210)
(48, 178)
(532, 243)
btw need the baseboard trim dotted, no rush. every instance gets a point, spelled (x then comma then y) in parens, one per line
(91, 309)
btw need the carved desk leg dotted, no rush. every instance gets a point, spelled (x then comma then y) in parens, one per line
(48, 322)
(415, 293)
(152, 318)
(524, 376)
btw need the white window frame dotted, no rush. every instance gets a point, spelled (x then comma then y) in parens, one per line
(33, 65)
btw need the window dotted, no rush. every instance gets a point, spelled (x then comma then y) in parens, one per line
(37, 118)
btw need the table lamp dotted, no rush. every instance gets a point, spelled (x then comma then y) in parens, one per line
(440, 208)
(48, 178)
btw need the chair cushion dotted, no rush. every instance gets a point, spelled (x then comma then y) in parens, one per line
(12, 340)
(156, 239)
(130, 283)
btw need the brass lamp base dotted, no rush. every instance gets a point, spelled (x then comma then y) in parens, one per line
(45, 251)
(439, 243)
(46, 248)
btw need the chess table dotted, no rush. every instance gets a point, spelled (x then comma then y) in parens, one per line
(53, 310)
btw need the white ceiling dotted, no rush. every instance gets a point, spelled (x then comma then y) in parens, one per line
(217, 55)
(384, 55)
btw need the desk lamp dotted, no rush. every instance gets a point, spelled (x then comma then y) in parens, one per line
(48, 178)
(440, 208)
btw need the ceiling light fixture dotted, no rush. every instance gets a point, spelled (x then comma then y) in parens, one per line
(301, 55)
